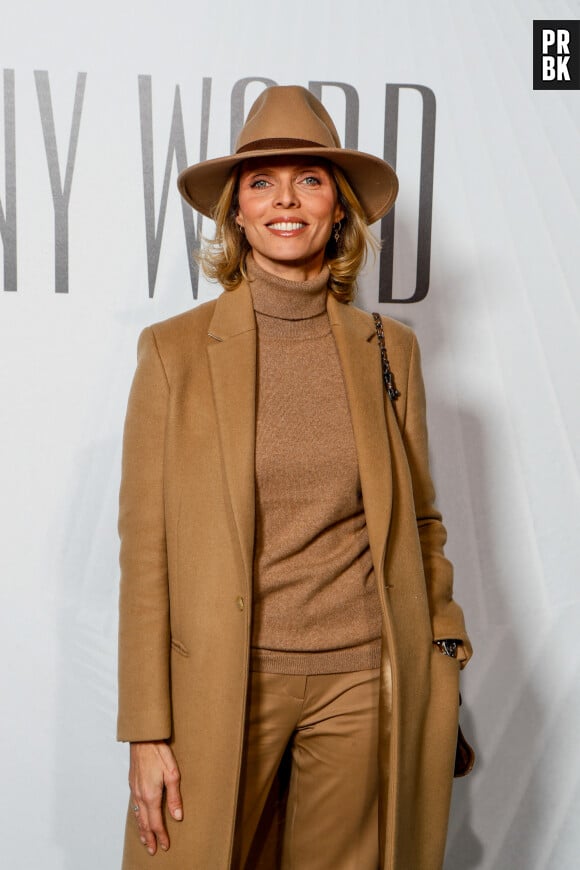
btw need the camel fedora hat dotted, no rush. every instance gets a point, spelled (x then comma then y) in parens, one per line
(290, 121)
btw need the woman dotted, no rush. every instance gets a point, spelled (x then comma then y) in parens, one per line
(284, 590)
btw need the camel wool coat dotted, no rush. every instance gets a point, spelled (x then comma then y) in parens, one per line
(186, 525)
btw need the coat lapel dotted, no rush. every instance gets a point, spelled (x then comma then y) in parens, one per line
(361, 365)
(232, 360)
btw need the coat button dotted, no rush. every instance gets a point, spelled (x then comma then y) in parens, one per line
(240, 602)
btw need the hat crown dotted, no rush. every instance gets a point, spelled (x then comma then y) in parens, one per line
(287, 113)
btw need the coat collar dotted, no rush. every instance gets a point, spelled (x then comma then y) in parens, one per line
(232, 357)
(233, 314)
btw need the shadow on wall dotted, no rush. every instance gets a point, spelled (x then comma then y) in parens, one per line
(501, 708)
(90, 768)
(500, 812)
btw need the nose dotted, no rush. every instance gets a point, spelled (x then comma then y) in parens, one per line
(286, 195)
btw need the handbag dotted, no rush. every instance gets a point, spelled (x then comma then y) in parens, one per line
(464, 753)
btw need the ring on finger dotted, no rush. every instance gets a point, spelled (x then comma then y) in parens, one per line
(135, 808)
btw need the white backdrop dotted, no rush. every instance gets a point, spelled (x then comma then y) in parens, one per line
(498, 328)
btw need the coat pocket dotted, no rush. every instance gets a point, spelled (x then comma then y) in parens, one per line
(179, 648)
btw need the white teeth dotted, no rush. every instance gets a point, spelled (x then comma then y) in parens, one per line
(286, 226)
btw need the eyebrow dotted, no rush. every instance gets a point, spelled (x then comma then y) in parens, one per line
(298, 167)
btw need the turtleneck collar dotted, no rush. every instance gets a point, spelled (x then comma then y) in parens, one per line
(284, 299)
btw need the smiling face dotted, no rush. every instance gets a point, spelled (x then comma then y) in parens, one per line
(287, 207)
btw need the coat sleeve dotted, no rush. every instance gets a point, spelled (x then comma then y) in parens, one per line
(144, 637)
(446, 615)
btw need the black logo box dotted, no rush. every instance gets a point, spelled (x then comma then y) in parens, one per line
(560, 42)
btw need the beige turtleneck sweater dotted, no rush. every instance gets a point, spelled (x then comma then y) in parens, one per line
(316, 607)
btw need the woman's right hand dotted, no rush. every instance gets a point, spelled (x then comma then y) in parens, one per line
(153, 767)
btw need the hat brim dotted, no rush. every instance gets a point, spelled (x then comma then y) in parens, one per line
(374, 182)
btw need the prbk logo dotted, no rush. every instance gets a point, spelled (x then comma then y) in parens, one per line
(557, 55)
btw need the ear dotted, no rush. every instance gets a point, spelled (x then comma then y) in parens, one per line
(339, 213)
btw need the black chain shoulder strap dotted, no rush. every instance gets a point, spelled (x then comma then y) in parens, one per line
(390, 387)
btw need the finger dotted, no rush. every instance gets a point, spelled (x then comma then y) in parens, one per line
(153, 826)
(146, 834)
(157, 830)
(174, 803)
(171, 781)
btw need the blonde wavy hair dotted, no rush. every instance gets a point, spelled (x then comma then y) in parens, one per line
(223, 258)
